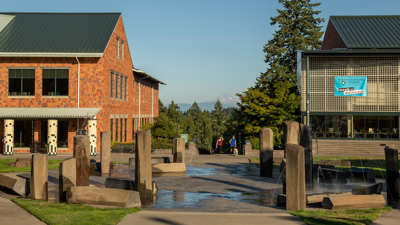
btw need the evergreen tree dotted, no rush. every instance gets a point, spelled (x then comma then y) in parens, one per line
(161, 108)
(205, 130)
(275, 97)
(196, 113)
(218, 119)
(188, 126)
(163, 127)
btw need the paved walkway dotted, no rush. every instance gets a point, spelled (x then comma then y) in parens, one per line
(390, 218)
(11, 213)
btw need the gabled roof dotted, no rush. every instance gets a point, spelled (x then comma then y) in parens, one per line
(56, 34)
(367, 31)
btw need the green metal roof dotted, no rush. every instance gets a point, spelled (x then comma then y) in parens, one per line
(368, 31)
(57, 34)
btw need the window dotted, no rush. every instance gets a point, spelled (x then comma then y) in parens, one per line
(116, 129)
(120, 127)
(126, 120)
(21, 82)
(122, 50)
(116, 85)
(133, 129)
(126, 80)
(111, 129)
(23, 133)
(62, 134)
(55, 82)
(117, 47)
(120, 93)
(112, 84)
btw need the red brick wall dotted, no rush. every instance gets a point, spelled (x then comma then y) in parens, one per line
(94, 87)
(332, 38)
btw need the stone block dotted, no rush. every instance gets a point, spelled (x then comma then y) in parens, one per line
(179, 150)
(103, 196)
(295, 178)
(266, 152)
(143, 167)
(154, 187)
(20, 163)
(14, 183)
(39, 177)
(159, 160)
(290, 134)
(193, 149)
(361, 175)
(282, 169)
(82, 155)
(120, 183)
(332, 176)
(335, 163)
(353, 202)
(367, 189)
(66, 177)
(169, 168)
(105, 154)
(281, 200)
(306, 142)
(318, 198)
(392, 174)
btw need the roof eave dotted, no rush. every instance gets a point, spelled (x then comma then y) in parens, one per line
(150, 77)
(49, 54)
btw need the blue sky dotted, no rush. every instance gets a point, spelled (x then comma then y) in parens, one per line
(201, 48)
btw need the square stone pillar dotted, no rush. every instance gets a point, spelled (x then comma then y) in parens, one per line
(105, 154)
(266, 152)
(306, 143)
(66, 177)
(39, 177)
(82, 155)
(392, 174)
(193, 148)
(143, 168)
(295, 178)
(179, 150)
(290, 134)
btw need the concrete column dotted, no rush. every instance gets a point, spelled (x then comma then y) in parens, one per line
(143, 168)
(66, 177)
(179, 150)
(8, 137)
(92, 133)
(105, 154)
(193, 148)
(392, 174)
(39, 177)
(295, 182)
(82, 155)
(306, 143)
(131, 164)
(291, 134)
(52, 126)
(266, 152)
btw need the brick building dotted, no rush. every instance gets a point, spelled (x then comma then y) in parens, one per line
(65, 72)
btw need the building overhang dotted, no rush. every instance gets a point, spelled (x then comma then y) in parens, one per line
(147, 76)
(352, 53)
(50, 54)
(46, 112)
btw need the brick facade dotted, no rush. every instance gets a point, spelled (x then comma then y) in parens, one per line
(95, 87)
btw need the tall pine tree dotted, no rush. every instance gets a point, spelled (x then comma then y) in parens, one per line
(275, 97)
(218, 118)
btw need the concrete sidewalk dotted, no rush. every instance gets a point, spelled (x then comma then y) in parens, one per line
(11, 213)
(200, 218)
(390, 218)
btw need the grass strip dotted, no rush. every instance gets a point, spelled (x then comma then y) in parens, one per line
(343, 217)
(54, 164)
(65, 213)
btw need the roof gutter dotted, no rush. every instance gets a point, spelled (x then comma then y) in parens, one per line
(49, 54)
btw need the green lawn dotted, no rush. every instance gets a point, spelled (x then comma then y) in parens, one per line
(54, 164)
(64, 213)
(350, 216)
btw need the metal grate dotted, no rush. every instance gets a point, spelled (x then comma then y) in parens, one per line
(383, 84)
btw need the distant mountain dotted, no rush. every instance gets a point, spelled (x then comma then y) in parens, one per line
(225, 99)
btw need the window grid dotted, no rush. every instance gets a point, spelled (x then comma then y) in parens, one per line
(112, 84)
(116, 85)
(122, 50)
(117, 47)
(383, 84)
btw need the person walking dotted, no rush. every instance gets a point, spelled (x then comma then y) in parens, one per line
(232, 143)
(218, 145)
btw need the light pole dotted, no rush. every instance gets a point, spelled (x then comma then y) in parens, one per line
(177, 114)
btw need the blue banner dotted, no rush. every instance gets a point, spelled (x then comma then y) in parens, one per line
(351, 86)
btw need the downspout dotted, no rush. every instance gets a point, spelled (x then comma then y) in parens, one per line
(308, 91)
(140, 100)
(79, 73)
(152, 104)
